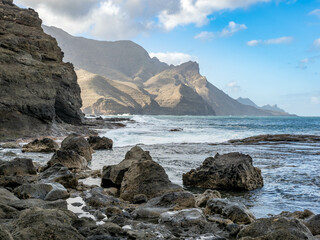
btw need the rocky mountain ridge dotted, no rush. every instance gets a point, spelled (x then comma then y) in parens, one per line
(268, 107)
(120, 77)
(37, 88)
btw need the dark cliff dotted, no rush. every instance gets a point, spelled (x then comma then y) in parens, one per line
(37, 88)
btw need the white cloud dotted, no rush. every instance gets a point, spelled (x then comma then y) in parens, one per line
(174, 58)
(204, 36)
(303, 63)
(316, 43)
(315, 100)
(233, 87)
(228, 31)
(315, 12)
(273, 41)
(197, 11)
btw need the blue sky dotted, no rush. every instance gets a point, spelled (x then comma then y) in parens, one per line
(267, 50)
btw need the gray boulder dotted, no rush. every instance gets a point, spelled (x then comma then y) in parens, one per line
(36, 223)
(7, 196)
(23, 204)
(69, 159)
(100, 143)
(78, 144)
(43, 145)
(98, 199)
(4, 234)
(172, 201)
(314, 224)
(45, 191)
(60, 174)
(18, 167)
(236, 212)
(202, 199)
(232, 171)
(10, 145)
(275, 228)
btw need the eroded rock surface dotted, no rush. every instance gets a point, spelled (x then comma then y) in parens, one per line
(43, 145)
(79, 145)
(232, 171)
(100, 143)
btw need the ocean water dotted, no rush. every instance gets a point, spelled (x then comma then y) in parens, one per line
(290, 171)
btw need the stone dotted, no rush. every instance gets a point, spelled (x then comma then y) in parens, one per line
(167, 202)
(7, 212)
(297, 214)
(10, 145)
(112, 175)
(202, 199)
(4, 234)
(23, 204)
(232, 171)
(60, 174)
(44, 191)
(18, 167)
(96, 198)
(78, 144)
(6, 196)
(140, 198)
(69, 159)
(44, 145)
(236, 212)
(148, 178)
(100, 143)
(37, 87)
(275, 228)
(314, 224)
(36, 223)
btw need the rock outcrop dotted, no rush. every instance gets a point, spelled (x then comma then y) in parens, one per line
(43, 145)
(138, 174)
(100, 143)
(232, 171)
(36, 87)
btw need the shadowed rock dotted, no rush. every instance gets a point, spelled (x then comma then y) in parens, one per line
(100, 143)
(314, 224)
(69, 159)
(275, 228)
(43, 145)
(18, 167)
(232, 171)
(79, 145)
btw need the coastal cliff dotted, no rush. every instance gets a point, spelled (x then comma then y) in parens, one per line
(37, 88)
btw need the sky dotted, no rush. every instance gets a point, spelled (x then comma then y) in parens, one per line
(266, 50)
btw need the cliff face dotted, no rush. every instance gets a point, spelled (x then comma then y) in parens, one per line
(36, 87)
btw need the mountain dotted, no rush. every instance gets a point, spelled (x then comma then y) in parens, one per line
(272, 108)
(120, 77)
(37, 88)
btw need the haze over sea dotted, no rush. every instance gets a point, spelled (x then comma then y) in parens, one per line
(290, 171)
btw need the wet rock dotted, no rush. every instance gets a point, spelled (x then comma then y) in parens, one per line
(236, 212)
(39, 223)
(100, 143)
(202, 199)
(69, 159)
(10, 154)
(60, 174)
(112, 211)
(78, 144)
(43, 145)
(167, 202)
(7, 196)
(7, 212)
(4, 234)
(112, 176)
(96, 198)
(111, 191)
(17, 167)
(31, 203)
(188, 222)
(314, 224)
(232, 171)
(12, 182)
(11, 145)
(146, 177)
(45, 191)
(176, 130)
(297, 214)
(275, 228)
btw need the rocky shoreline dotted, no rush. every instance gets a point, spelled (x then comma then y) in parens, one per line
(136, 199)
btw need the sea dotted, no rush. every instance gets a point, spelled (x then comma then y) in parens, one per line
(181, 143)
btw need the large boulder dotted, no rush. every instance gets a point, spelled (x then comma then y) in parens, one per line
(172, 201)
(232, 171)
(7, 196)
(236, 212)
(314, 224)
(96, 198)
(100, 143)
(60, 174)
(43, 145)
(18, 167)
(112, 175)
(69, 159)
(44, 191)
(23, 204)
(78, 144)
(36, 223)
(275, 228)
